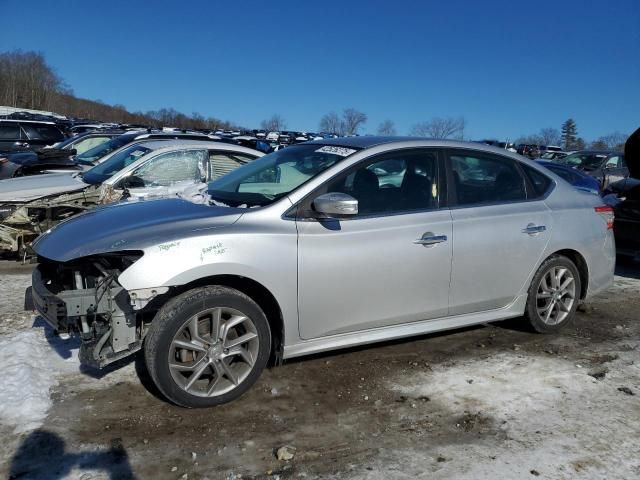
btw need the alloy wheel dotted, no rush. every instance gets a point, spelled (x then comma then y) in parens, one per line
(213, 352)
(556, 295)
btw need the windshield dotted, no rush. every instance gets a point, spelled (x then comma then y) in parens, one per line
(95, 153)
(273, 176)
(114, 164)
(585, 160)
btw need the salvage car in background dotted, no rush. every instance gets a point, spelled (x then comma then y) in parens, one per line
(554, 155)
(25, 135)
(155, 168)
(64, 157)
(605, 166)
(99, 153)
(624, 197)
(86, 141)
(575, 177)
(314, 248)
(57, 157)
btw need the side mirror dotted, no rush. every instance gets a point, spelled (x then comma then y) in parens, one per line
(336, 205)
(131, 182)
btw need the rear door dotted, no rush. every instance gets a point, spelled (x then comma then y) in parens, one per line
(222, 162)
(500, 229)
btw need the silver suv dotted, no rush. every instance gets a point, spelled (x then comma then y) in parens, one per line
(321, 246)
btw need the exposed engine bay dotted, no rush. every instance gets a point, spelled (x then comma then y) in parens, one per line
(83, 297)
(23, 222)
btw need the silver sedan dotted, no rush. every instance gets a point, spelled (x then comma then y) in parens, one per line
(320, 246)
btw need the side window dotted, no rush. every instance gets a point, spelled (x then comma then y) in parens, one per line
(224, 162)
(88, 143)
(539, 181)
(48, 133)
(173, 167)
(481, 179)
(398, 182)
(9, 132)
(613, 162)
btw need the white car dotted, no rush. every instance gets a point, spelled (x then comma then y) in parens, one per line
(153, 169)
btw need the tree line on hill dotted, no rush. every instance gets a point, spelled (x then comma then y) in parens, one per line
(27, 81)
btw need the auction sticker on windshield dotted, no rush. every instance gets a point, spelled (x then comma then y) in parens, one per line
(342, 151)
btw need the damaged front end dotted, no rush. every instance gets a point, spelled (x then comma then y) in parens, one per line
(22, 222)
(84, 297)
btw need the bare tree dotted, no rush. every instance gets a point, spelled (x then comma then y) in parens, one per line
(441, 128)
(274, 124)
(530, 140)
(549, 136)
(330, 123)
(352, 120)
(387, 128)
(613, 141)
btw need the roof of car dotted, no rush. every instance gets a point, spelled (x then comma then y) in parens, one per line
(374, 141)
(169, 143)
(26, 120)
(599, 152)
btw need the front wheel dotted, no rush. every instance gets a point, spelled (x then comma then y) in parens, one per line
(553, 295)
(207, 346)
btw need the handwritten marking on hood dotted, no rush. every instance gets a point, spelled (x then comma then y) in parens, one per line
(168, 246)
(215, 249)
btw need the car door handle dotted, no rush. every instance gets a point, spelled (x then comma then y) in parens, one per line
(429, 240)
(534, 229)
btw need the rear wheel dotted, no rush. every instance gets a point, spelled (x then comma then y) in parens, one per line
(553, 295)
(207, 346)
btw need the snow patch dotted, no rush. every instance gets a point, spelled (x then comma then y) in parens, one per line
(548, 407)
(505, 385)
(29, 372)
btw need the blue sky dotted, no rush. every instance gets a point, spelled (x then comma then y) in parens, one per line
(509, 67)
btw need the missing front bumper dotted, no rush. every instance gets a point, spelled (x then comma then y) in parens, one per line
(101, 315)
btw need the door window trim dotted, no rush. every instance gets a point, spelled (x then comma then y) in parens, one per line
(529, 189)
(297, 211)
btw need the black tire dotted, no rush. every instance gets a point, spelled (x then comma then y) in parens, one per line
(172, 317)
(531, 311)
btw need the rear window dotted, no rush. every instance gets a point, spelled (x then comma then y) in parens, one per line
(539, 181)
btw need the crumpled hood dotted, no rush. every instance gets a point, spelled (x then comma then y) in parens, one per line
(130, 226)
(632, 154)
(26, 189)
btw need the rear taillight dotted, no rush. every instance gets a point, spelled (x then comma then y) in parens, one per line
(606, 212)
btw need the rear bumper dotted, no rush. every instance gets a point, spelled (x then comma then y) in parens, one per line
(602, 267)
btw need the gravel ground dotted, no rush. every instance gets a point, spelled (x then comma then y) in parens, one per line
(494, 401)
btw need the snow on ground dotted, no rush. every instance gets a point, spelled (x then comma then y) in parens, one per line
(30, 368)
(12, 314)
(548, 408)
(34, 360)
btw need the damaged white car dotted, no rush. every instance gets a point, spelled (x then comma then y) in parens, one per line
(30, 206)
(319, 246)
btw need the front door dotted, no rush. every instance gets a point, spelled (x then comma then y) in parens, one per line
(169, 173)
(391, 263)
